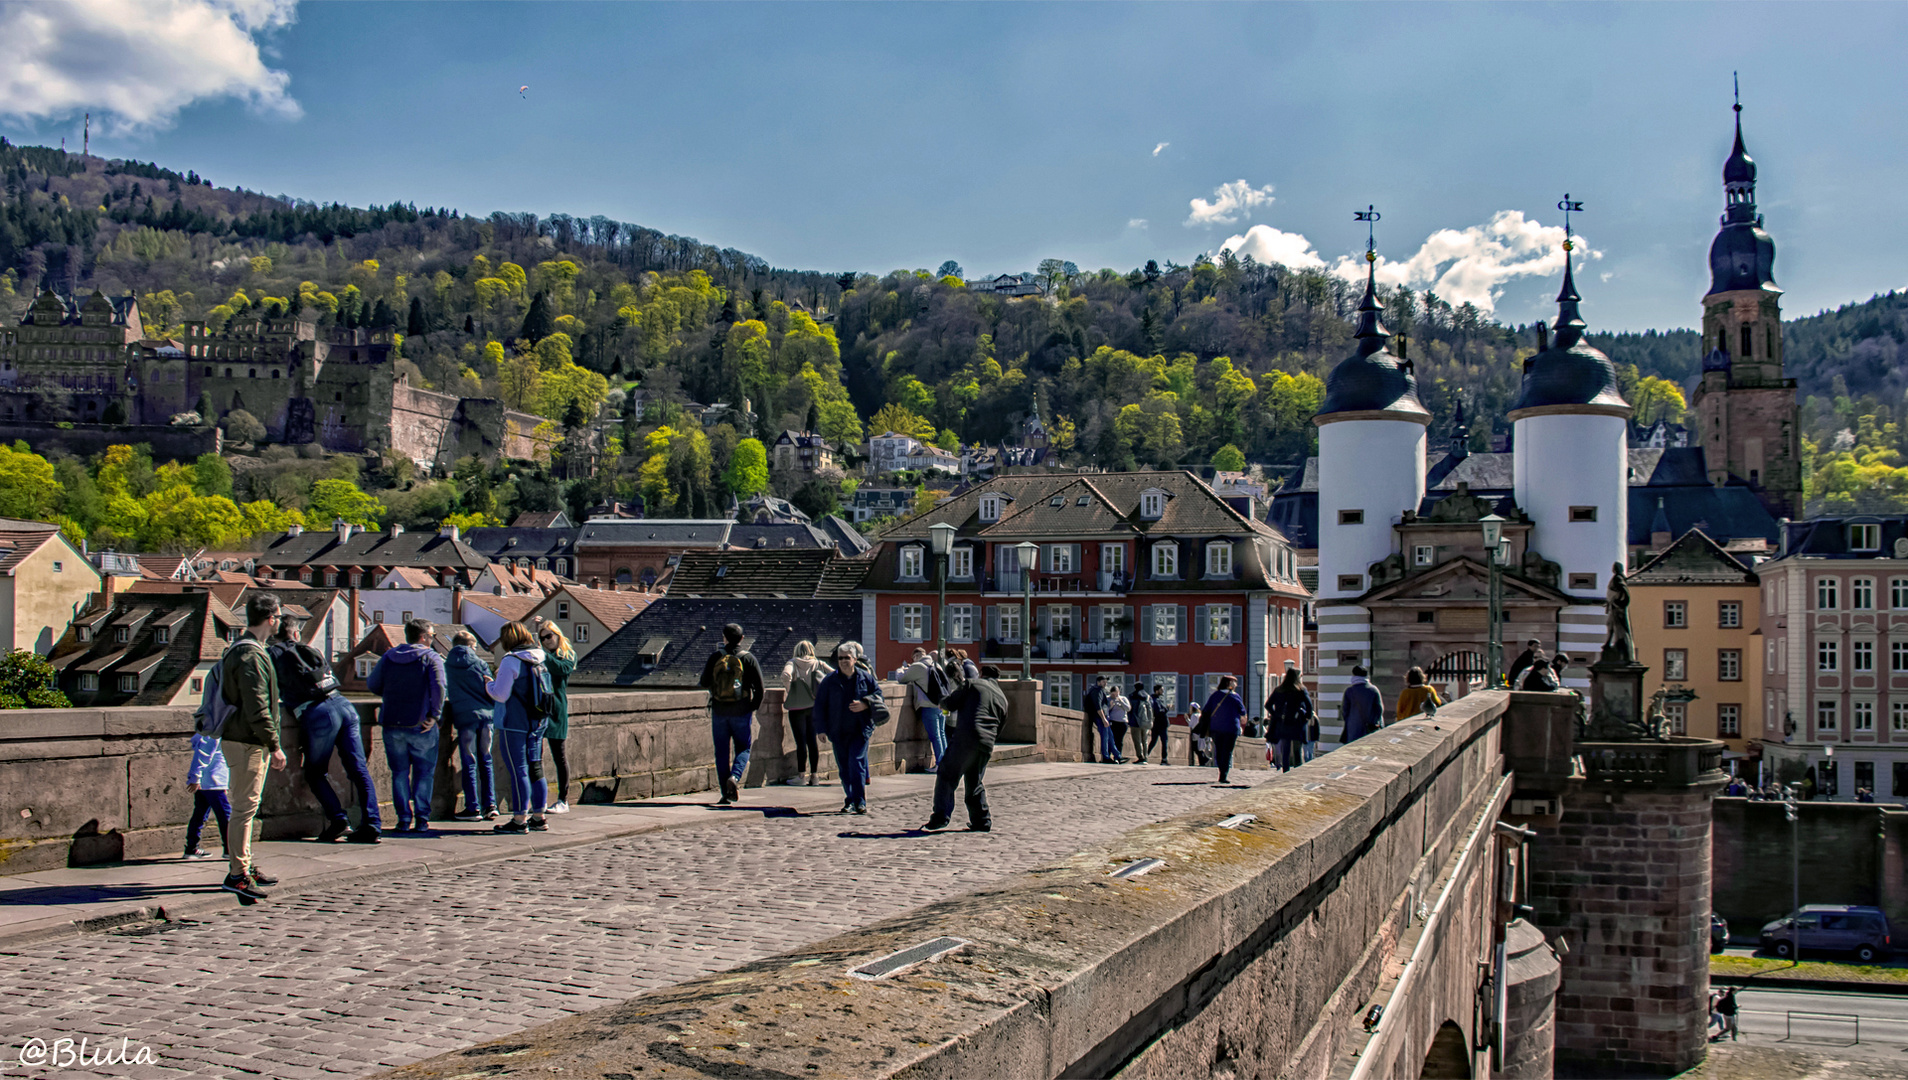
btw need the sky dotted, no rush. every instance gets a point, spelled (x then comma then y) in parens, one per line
(882, 136)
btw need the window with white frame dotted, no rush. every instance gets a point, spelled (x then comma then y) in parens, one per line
(89, 681)
(1675, 664)
(990, 508)
(1113, 559)
(364, 665)
(1898, 592)
(1165, 624)
(1675, 614)
(1729, 665)
(1219, 558)
(1827, 716)
(1677, 713)
(406, 618)
(198, 684)
(1898, 717)
(1152, 505)
(1060, 690)
(1897, 657)
(563, 609)
(1166, 559)
(563, 568)
(1864, 537)
(1060, 622)
(580, 633)
(1861, 656)
(1168, 683)
(1219, 624)
(1861, 716)
(1009, 623)
(961, 563)
(960, 622)
(1423, 554)
(1828, 656)
(912, 561)
(913, 622)
(162, 636)
(1060, 558)
(128, 684)
(1827, 594)
(1729, 721)
(1861, 594)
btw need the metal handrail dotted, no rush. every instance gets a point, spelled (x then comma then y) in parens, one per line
(1788, 1026)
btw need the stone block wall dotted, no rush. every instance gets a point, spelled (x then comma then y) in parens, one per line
(1851, 853)
(1625, 878)
(84, 440)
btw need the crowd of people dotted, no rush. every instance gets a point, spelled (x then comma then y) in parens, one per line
(268, 675)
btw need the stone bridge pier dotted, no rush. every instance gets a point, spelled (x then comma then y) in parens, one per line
(1388, 910)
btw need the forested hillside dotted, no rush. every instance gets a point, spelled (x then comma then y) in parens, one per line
(1167, 364)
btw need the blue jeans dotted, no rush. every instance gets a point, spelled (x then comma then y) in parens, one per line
(523, 757)
(1311, 749)
(935, 722)
(412, 755)
(736, 730)
(474, 743)
(1107, 750)
(208, 802)
(332, 724)
(851, 760)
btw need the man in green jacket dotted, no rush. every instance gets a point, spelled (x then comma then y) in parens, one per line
(249, 682)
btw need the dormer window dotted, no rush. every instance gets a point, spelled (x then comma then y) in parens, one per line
(961, 563)
(1152, 504)
(1219, 559)
(1166, 559)
(1864, 537)
(912, 561)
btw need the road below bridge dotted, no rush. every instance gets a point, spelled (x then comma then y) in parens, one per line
(342, 981)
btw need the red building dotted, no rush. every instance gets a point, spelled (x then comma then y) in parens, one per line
(1142, 577)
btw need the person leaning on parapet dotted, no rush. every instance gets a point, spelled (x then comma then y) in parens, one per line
(979, 707)
(410, 677)
(1362, 709)
(1417, 697)
(848, 707)
(733, 678)
(1539, 677)
(1533, 650)
(330, 723)
(927, 684)
(472, 716)
(249, 738)
(1095, 708)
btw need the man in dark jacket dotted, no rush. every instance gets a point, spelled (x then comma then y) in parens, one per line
(1362, 709)
(1095, 706)
(980, 707)
(248, 682)
(330, 724)
(411, 680)
(734, 681)
(1532, 651)
(849, 705)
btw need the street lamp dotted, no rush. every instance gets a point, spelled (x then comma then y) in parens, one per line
(1027, 552)
(941, 543)
(1258, 698)
(1493, 526)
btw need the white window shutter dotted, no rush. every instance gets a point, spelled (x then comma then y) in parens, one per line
(1182, 623)
(1145, 623)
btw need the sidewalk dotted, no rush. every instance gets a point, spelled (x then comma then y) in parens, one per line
(52, 903)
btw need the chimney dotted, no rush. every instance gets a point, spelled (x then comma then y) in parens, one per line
(343, 529)
(396, 529)
(351, 621)
(294, 529)
(448, 532)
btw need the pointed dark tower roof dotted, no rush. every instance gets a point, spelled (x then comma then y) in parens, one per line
(1742, 255)
(1371, 380)
(1569, 376)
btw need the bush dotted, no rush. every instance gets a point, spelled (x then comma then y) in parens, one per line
(241, 426)
(26, 681)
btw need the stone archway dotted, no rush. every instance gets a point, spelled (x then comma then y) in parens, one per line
(1450, 1055)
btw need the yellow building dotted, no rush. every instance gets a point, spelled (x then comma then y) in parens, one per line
(1696, 615)
(44, 582)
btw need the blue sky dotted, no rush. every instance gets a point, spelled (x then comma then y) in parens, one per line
(897, 135)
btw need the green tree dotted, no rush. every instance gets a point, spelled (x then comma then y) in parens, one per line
(27, 681)
(212, 476)
(901, 420)
(1229, 458)
(243, 427)
(28, 487)
(333, 500)
(539, 321)
(414, 322)
(748, 471)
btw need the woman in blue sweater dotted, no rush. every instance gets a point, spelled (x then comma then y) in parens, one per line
(848, 707)
(1221, 717)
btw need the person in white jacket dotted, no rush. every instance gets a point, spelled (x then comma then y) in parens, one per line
(519, 738)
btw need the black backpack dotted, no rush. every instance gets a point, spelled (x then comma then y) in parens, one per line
(537, 692)
(304, 676)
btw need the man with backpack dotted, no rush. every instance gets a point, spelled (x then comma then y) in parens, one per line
(244, 718)
(330, 723)
(411, 680)
(734, 681)
(1095, 704)
(930, 684)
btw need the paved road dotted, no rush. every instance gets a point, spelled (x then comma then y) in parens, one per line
(341, 982)
(1831, 1023)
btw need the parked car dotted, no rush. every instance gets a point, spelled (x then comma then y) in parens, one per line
(1718, 933)
(1847, 928)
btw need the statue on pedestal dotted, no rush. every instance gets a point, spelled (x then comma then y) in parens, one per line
(1620, 646)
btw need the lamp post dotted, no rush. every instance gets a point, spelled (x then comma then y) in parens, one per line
(1493, 526)
(1259, 695)
(1027, 552)
(941, 543)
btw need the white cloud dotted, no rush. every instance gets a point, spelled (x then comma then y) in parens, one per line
(1229, 203)
(138, 61)
(1460, 265)
(1160, 147)
(1136, 223)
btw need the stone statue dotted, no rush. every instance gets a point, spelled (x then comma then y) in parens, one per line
(1620, 647)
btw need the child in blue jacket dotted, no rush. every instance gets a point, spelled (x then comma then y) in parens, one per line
(207, 778)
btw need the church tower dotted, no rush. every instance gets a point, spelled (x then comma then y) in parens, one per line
(1745, 406)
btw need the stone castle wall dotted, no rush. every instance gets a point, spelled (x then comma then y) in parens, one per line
(1851, 853)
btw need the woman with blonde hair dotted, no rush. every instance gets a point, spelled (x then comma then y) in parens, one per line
(521, 681)
(1417, 696)
(800, 677)
(559, 659)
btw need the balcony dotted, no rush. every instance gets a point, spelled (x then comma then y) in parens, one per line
(1108, 651)
(1680, 762)
(1077, 583)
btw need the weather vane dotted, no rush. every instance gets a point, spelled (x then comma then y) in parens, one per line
(1369, 215)
(1569, 207)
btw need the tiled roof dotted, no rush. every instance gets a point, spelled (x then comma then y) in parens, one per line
(200, 636)
(511, 608)
(1111, 508)
(16, 544)
(541, 519)
(1693, 559)
(1722, 513)
(1827, 537)
(655, 532)
(611, 608)
(409, 577)
(848, 539)
(758, 572)
(322, 548)
(686, 631)
(515, 541)
(779, 535)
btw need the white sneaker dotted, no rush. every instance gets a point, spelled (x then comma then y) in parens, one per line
(560, 808)
(811, 779)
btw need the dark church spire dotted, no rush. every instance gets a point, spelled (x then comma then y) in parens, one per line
(1371, 333)
(1743, 255)
(1569, 325)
